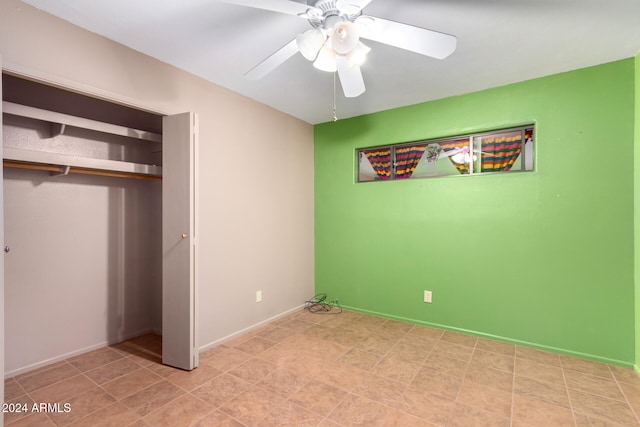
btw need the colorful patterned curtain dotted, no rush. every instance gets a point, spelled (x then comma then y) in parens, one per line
(407, 158)
(458, 153)
(500, 152)
(380, 160)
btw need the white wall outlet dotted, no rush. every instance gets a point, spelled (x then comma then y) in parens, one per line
(258, 296)
(427, 296)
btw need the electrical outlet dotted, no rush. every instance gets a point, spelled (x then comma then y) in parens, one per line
(258, 296)
(427, 296)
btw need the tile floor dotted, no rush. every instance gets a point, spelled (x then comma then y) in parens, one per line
(331, 370)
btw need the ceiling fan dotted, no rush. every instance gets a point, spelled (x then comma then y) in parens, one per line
(333, 44)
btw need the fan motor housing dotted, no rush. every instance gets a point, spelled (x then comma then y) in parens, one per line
(329, 8)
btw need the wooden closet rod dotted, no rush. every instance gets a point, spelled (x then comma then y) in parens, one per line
(77, 170)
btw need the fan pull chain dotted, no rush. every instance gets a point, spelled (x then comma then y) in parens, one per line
(335, 117)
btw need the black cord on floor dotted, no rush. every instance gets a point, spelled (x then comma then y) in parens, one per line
(319, 305)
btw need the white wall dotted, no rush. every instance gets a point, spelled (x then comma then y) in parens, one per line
(255, 169)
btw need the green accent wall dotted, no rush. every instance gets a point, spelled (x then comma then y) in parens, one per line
(636, 230)
(542, 258)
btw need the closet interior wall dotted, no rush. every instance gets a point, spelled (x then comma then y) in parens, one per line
(85, 266)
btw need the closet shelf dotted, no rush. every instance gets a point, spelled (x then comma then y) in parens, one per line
(63, 120)
(15, 157)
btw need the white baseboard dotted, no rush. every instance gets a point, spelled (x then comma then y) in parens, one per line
(52, 360)
(248, 329)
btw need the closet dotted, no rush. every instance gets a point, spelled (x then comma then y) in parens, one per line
(99, 224)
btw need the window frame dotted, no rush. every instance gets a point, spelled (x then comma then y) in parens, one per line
(475, 163)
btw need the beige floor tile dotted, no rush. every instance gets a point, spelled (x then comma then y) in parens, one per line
(409, 353)
(396, 369)
(600, 407)
(114, 415)
(486, 398)
(493, 360)
(446, 364)
(318, 397)
(229, 359)
(221, 389)
(283, 382)
(62, 390)
(377, 344)
(12, 389)
(625, 375)
(112, 370)
(38, 419)
(131, 383)
(539, 356)
(360, 359)
(632, 395)
(218, 419)
(458, 338)
(275, 334)
(328, 371)
(182, 412)
(496, 347)
(468, 416)
(538, 413)
(426, 344)
(427, 406)
(291, 414)
(253, 370)
(47, 377)
(153, 397)
(94, 359)
(17, 408)
(359, 411)
(454, 351)
(82, 405)
(190, 380)
(437, 382)
(252, 406)
(255, 345)
(381, 390)
(591, 384)
(590, 421)
(500, 380)
(41, 369)
(425, 331)
(586, 366)
(540, 372)
(542, 391)
(402, 419)
(344, 377)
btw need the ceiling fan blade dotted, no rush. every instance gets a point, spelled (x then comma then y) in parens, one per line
(282, 6)
(272, 62)
(408, 37)
(350, 77)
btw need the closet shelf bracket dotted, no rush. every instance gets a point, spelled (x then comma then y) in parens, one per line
(57, 129)
(64, 171)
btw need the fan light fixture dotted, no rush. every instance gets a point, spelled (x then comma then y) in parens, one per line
(310, 42)
(315, 46)
(334, 42)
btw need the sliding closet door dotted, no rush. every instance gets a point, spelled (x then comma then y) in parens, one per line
(179, 146)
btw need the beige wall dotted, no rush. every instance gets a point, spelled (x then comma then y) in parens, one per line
(255, 168)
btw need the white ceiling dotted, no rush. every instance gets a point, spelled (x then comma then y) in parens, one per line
(499, 42)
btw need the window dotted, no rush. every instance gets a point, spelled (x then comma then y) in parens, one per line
(497, 151)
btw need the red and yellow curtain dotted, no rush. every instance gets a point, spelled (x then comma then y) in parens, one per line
(500, 152)
(380, 160)
(407, 158)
